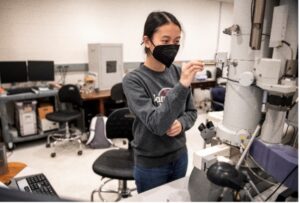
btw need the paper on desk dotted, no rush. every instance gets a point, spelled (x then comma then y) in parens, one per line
(3, 185)
(27, 171)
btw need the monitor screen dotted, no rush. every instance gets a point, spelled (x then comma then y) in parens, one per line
(14, 195)
(41, 70)
(13, 71)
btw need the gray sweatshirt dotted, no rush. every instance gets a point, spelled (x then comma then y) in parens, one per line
(157, 99)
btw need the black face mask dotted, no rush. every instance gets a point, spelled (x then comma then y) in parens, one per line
(165, 53)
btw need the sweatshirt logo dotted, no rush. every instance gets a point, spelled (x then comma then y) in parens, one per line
(160, 98)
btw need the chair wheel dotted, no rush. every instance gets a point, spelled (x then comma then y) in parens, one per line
(53, 154)
(48, 145)
(79, 152)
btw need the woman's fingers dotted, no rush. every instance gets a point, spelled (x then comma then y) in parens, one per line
(173, 133)
(191, 67)
(189, 70)
(175, 129)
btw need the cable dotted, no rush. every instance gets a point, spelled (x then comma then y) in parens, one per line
(290, 173)
(293, 104)
(289, 45)
(256, 163)
(286, 132)
(294, 130)
(296, 137)
(230, 79)
(285, 42)
(257, 176)
(253, 85)
(289, 140)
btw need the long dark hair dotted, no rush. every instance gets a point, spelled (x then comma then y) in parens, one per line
(155, 20)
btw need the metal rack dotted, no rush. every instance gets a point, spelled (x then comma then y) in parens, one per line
(7, 133)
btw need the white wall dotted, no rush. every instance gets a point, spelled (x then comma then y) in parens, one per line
(60, 30)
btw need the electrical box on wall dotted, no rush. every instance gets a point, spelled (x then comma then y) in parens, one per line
(106, 62)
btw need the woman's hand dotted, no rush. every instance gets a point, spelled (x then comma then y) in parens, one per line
(175, 129)
(188, 72)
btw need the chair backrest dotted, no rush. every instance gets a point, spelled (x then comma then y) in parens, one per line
(218, 94)
(70, 94)
(117, 93)
(119, 124)
(217, 98)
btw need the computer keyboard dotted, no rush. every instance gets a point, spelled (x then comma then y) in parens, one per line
(37, 183)
(19, 90)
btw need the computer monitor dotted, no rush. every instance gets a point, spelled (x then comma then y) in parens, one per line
(41, 70)
(13, 71)
(14, 195)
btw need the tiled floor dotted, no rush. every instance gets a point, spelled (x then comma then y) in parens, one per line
(72, 175)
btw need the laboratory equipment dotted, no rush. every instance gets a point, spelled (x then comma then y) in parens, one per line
(260, 91)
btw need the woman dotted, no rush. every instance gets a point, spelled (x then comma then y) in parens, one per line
(158, 94)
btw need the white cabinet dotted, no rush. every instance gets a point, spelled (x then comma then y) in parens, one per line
(106, 61)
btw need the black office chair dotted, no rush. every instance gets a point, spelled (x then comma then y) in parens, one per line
(70, 110)
(217, 98)
(117, 93)
(116, 163)
(118, 98)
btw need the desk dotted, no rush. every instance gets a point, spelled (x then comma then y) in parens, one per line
(13, 169)
(203, 84)
(7, 136)
(102, 95)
